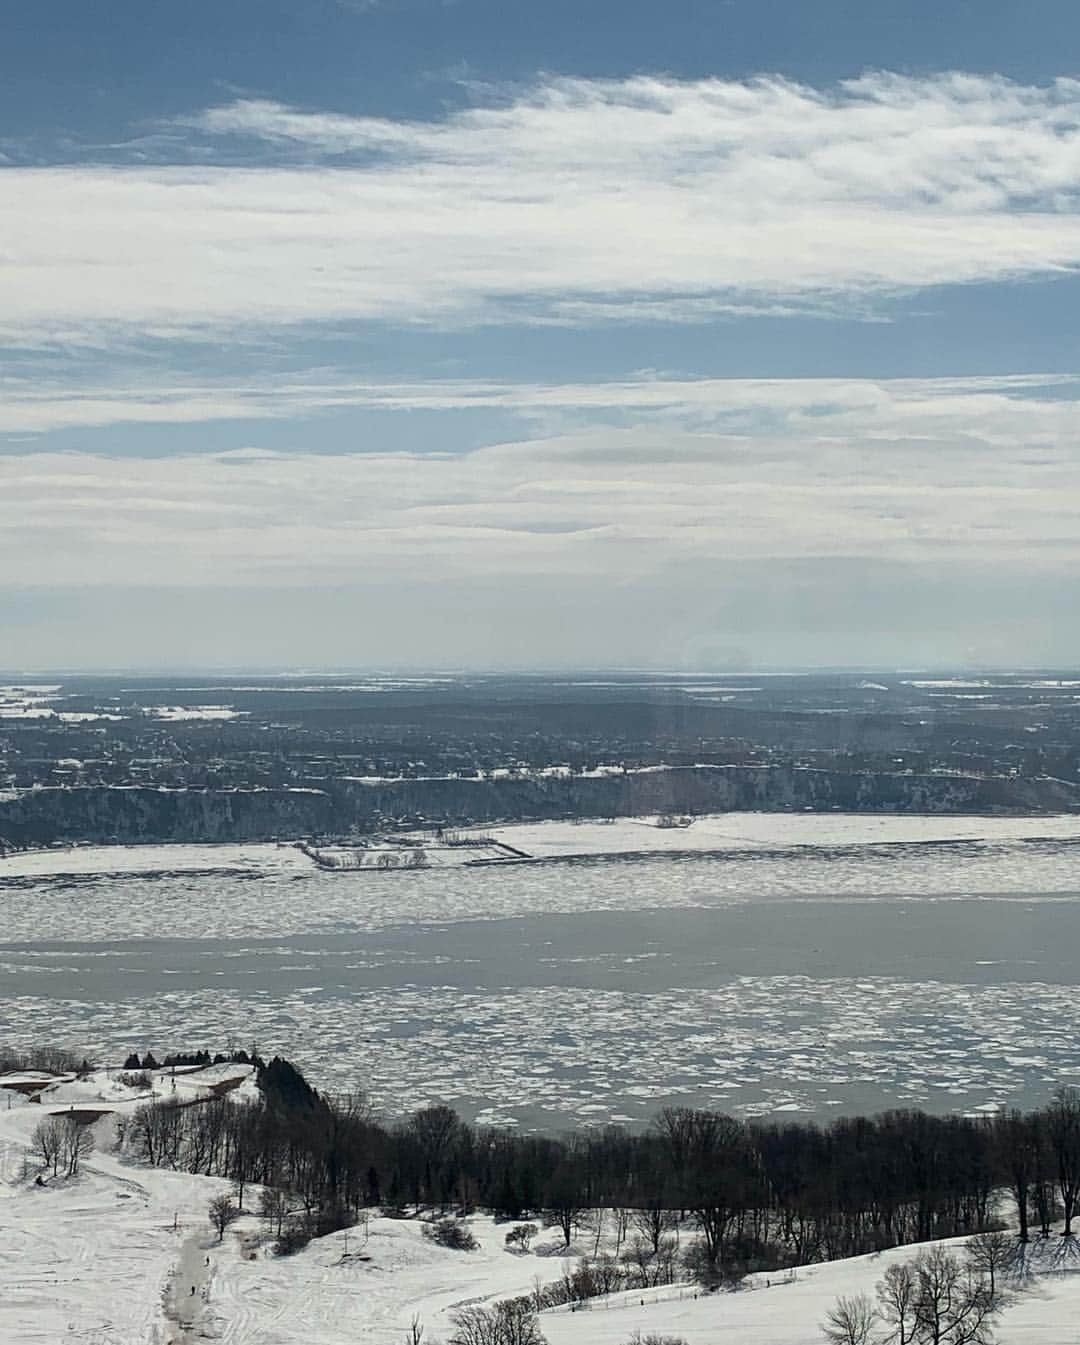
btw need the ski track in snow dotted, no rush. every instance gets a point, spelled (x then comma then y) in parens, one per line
(187, 1309)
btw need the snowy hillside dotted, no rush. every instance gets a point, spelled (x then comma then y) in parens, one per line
(785, 1311)
(113, 1254)
(123, 1253)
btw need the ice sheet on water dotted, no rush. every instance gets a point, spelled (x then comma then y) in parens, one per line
(222, 891)
(757, 1045)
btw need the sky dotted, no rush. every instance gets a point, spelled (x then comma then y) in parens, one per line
(475, 333)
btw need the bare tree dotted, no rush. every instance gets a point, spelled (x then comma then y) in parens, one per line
(850, 1321)
(1016, 1144)
(1063, 1128)
(511, 1322)
(273, 1207)
(222, 1212)
(897, 1295)
(48, 1142)
(994, 1256)
(520, 1236)
(565, 1202)
(436, 1131)
(954, 1305)
(76, 1142)
(652, 1222)
(158, 1130)
(934, 1299)
(473, 1326)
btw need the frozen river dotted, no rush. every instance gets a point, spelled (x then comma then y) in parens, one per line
(747, 968)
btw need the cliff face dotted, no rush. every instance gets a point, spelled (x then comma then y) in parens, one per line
(703, 790)
(133, 815)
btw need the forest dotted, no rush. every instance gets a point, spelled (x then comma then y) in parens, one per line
(761, 1194)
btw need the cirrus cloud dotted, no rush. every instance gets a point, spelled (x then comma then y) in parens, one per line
(934, 471)
(570, 201)
(1013, 411)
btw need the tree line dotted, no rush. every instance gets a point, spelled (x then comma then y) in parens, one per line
(761, 1193)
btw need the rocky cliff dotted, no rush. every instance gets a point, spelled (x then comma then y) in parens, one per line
(131, 815)
(135, 814)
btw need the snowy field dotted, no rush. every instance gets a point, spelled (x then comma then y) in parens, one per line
(43, 702)
(776, 831)
(62, 861)
(720, 833)
(93, 1258)
(113, 1256)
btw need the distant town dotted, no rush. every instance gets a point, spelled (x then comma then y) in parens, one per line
(109, 759)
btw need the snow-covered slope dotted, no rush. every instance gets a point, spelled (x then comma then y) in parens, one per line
(91, 1258)
(781, 1310)
(124, 1254)
(114, 1254)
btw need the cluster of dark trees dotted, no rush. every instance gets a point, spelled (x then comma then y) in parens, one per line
(197, 1058)
(761, 1193)
(46, 1059)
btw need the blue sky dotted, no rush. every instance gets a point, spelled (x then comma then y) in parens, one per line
(72, 68)
(477, 333)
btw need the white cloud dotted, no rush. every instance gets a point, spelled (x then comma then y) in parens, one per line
(569, 200)
(1003, 410)
(941, 473)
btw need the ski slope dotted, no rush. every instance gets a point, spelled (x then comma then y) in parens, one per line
(124, 1255)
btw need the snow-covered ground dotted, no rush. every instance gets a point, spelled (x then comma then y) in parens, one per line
(135, 859)
(734, 833)
(790, 1311)
(774, 831)
(113, 1255)
(92, 1258)
(319, 1298)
